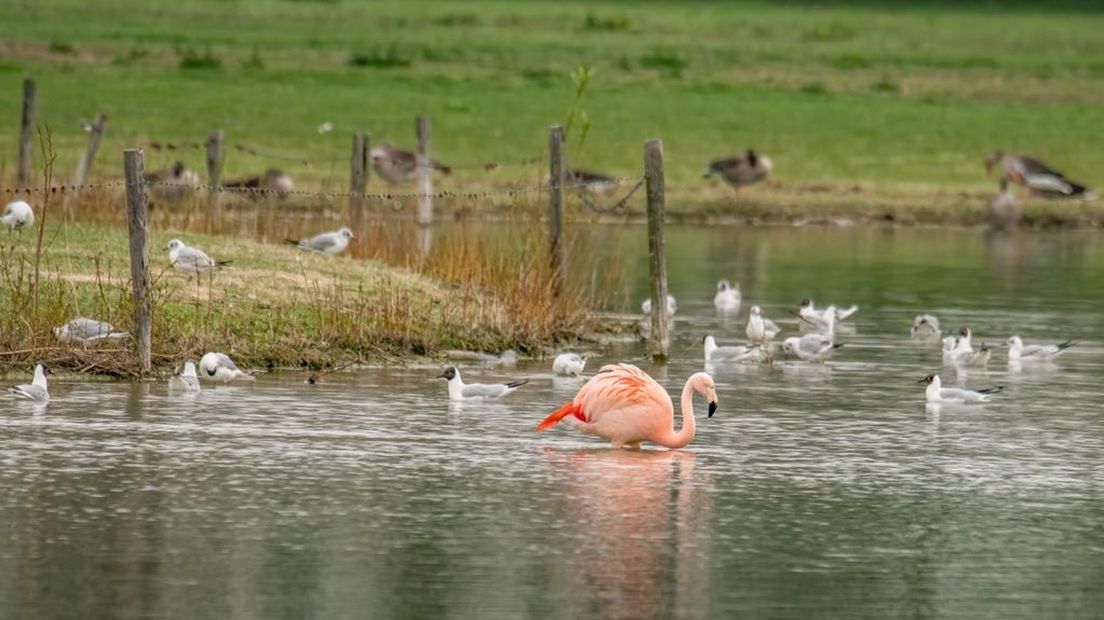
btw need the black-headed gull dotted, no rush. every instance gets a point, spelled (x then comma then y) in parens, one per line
(220, 368)
(759, 328)
(192, 261)
(810, 347)
(17, 216)
(727, 298)
(825, 319)
(714, 353)
(186, 381)
(36, 391)
(963, 353)
(935, 393)
(925, 326)
(1018, 352)
(458, 391)
(568, 365)
(85, 331)
(326, 244)
(672, 305)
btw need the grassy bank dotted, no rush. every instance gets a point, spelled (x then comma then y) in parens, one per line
(901, 102)
(274, 306)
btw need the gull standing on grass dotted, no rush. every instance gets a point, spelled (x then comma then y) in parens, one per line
(760, 330)
(925, 326)
(714, 353)
(1018, 352)
(935, 393)
(727, 298)
(220, 368)
(85, 331)
(811, 347)
(186, 381)
(568, 365)
(326, 244)
(17, 216)
(192, 261)
(36, 391)
(458, 391)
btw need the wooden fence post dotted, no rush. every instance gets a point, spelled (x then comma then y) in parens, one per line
(85, 164)
(358, 182)
(657, 249)
(214, 171)
(425, 173)
(138, 229)
(26, 150)
(556, 181)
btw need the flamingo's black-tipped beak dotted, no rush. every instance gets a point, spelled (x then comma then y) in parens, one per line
(712, 408)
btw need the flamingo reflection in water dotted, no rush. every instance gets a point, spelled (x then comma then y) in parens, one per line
(637, 529)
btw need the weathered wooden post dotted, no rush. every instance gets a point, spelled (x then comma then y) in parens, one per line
(26, 129)
(358, 182)
(556, 180)
(214, 171)
(85, 165)
(657, 250)
(425, 173)
(138, 229)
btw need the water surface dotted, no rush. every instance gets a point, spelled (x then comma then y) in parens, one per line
(816, 491)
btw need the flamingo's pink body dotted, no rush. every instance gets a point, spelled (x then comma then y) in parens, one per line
(623, 404)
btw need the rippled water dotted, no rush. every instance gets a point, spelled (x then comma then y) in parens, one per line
(816, 491)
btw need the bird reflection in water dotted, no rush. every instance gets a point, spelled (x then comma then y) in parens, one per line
(637, 524)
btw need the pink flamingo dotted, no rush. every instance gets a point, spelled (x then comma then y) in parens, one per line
(623, 404)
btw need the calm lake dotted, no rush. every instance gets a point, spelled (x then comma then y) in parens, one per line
(816, 491)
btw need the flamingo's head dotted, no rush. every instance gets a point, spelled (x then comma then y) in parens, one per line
(703, 384)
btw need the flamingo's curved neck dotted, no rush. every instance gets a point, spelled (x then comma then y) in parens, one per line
(682, 438)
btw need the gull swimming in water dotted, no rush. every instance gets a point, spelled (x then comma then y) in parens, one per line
(759, 328)
(568, 365)
(817, 319)
(727, 298)
(925, 326)
(85, 331)
(192, 261)
(186, 381)
(672, 306)
(36, 391)
(326, 244)
(963, 353)
(811, 347)
(220, 368)
(17, 216)
(714, 353)
(458, 391)
(935, 393)
(1018, 352)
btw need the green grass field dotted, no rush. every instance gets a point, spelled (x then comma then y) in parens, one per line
(905, 100)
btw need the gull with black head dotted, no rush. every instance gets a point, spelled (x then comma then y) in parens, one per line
(459, 391)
